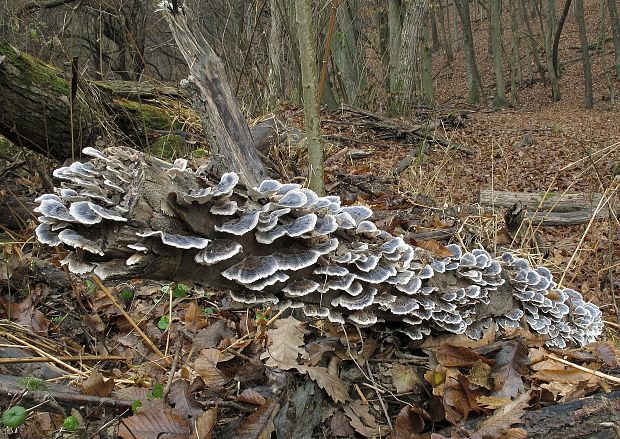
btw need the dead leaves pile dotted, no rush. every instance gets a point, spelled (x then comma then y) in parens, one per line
(237, 374)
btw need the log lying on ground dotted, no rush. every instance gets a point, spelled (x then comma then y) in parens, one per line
(550, 209)
(591, 417)
(36, 112)
(129, 215)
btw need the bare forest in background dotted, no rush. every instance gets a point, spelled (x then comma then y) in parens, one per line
(389, 56)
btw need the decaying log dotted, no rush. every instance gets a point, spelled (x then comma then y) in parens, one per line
(590, 417)
(550, 209)
(130, 215)
(36, 112)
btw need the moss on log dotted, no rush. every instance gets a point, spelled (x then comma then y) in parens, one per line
(36, 110)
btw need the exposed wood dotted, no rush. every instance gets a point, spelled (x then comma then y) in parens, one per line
(547, 202)
(582, 418)
(227, 130)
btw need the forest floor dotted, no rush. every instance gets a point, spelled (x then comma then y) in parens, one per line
(224, 388)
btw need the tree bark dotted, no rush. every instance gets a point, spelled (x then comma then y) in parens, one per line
(615, 29)
(549, 209)
(475, 93)
(309, 77)
(408, 78)
(496, 47)
(582, 418)
(585, 54)
(558, 34)
(227, 130)
(549, 14)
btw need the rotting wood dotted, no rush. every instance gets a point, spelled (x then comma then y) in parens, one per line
(581, 418)
(549, 209)
(543, 201)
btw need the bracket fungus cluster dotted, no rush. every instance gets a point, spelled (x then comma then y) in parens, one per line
(127, 214)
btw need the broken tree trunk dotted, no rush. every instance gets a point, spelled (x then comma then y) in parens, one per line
(40, 111)
(550, 209)
(227, 130)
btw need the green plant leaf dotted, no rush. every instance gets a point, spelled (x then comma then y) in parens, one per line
(14, 417)
(181, 290)
(70, 423)
(135, 406)
(158, 392)
(163, 323)
(126, 295)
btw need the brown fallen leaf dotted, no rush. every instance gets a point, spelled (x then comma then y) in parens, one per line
(204, 424)
(206, 366)
(459, 339)
(340, 425)
(285, 342)
(435, 247)
(604, 351)
(332, 384)
(97, 385)
(194, 317)
(259, 425)
(493, 402)
(503, 418)
(457, 356)
(511, 364)
(181, 398)
(251, 396)
(569, 375)
(480, 375)
(410, 420)
(361, 419)
(404, 378)
(155, 422)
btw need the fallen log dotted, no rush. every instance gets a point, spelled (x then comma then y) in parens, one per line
(40, 112)
(582, 418)
(550, 209)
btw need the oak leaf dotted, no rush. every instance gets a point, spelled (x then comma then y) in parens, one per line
(503, 418)
(511, 364)
(285, 344)
(332, 384)
(404, 378)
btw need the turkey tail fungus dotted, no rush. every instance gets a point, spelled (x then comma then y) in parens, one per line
(126, 214)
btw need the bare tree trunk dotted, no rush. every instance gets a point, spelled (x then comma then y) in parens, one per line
(556, 37)
(533, 44)
(548, 30)
(227, 130)
(274, 78)
(428, 92)
(615, 29)
(603, 57)
(516, 74)
(408, 75)
(499, 100)
(475, 93)
(348, 57)
(395, 26)
(309, 77)
(445, 31)
(585, 54)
